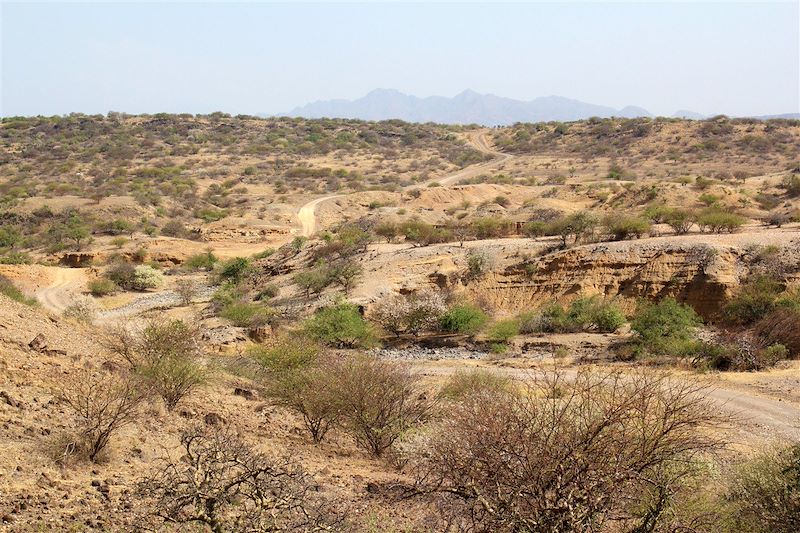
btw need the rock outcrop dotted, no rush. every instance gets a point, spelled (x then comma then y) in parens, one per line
(700, 275)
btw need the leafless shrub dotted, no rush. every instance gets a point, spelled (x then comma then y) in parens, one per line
(187, 290)
(378, 400)
(568, 455)
(223, 484)
(102, 404)
(82, 309)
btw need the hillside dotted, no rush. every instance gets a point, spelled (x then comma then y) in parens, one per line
(241, 324)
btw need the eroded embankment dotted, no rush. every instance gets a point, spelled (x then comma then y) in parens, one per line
(701, 274)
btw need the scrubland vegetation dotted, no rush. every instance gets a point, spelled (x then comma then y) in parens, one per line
(263, 390)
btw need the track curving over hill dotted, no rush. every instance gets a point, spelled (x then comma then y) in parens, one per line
(478, 140)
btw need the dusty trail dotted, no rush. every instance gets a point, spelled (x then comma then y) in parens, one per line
(307, 213)
(62, 290)
(307, 216)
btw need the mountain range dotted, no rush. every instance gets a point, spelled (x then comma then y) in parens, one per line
(469, 107)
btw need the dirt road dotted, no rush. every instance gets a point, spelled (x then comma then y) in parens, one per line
(307, 216)
(63, 288)
(307, 213)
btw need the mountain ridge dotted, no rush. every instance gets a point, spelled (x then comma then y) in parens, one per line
(466, 107)
(471, 107)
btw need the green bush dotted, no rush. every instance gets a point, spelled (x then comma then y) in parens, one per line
(583, 314)
(606, 316)
(341, 326)
(503, 331)
(286, 355)
(465, 383)
(316, 280)
(665, 328)
(202, 261)
(102, 287)
(714, 220)
(753, 301)
(268, 292)
(463, 318)
(16, 258)
(246, 314)
(477, 263)
(175, 228)
(264, 254)
(534, 229)
(121, 273)
(621, 227)
(235, 269)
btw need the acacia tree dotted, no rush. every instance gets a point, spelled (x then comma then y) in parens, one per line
(576, 225)
(76, 230)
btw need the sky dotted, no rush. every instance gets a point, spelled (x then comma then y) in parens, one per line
(722, 57)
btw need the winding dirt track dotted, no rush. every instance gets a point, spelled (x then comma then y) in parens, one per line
(307, 213)
(60, 293)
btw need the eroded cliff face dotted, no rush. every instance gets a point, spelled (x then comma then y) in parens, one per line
(700, 275)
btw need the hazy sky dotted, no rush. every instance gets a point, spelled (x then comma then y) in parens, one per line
(733, 58)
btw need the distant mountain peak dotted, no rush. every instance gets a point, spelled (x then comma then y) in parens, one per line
(466, 107)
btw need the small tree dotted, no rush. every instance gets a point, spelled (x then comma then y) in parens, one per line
(576, 225)
(345, 273)
(165, 354)
(235, 269)
(679, 220)
(378, 400)
(387, 230)
(187, 290)
(75, 229)
(311, 392)
(340, 326)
